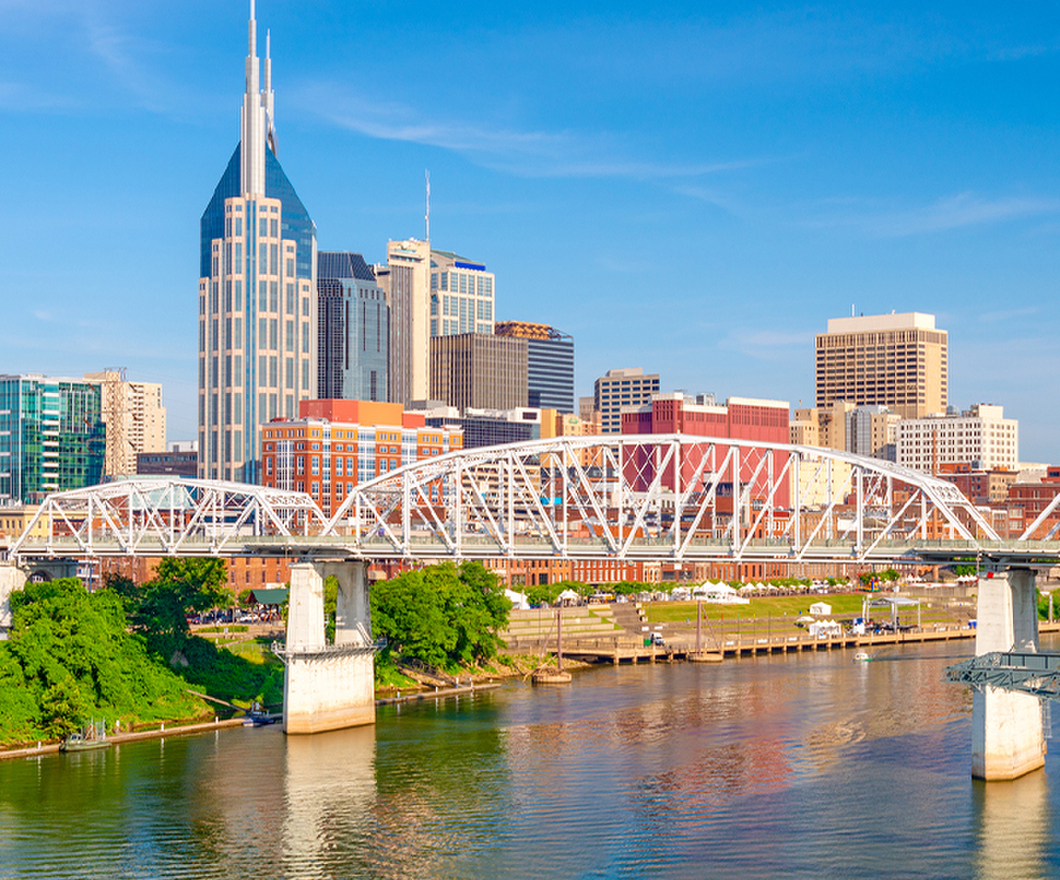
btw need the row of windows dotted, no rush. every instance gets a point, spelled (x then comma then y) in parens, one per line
(462, 282)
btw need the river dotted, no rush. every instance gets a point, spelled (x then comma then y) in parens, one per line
(806, 765)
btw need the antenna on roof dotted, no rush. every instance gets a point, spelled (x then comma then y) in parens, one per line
(427, 218)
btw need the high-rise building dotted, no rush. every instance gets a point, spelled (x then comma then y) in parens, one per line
(406, 280)
(52, 437)
(873, 431)
(479, 370)
(135, 420)
(353, 329)
(900, 361)
(549, 363)
(461, 295)
(980, 435)
(622, 388)
(257, 293)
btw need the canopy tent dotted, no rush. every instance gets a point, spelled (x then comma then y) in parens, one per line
(568, 596)
(823, 629)
(273, 596)
(518, 600)
(822, 608)
(894, 601)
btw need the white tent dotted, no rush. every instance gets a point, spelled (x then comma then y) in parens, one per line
(518, 600)
(568, 596)
(824, 629)
(820, 608)
(681, 593)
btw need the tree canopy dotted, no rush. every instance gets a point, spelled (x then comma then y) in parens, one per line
(71, 658)
(443, 615)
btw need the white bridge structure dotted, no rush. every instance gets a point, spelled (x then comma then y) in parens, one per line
(648, 497)
(642, 497)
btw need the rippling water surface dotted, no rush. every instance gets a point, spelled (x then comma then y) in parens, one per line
(800, 766)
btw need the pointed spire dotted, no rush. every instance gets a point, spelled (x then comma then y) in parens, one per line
(267, 95)
(252, 140)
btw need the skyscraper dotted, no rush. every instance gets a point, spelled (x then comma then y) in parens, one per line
(549, 365)
(478, 370)
(461, 295)
(405, 280)
(52, 436)
(135, 419)
(353, 329)
(898, 361)
(257, 293)
(622, 388)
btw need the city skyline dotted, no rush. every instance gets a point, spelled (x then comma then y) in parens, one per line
(694, 197)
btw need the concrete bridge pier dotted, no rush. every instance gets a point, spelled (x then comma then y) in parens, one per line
(1007, 736)
(328, 687)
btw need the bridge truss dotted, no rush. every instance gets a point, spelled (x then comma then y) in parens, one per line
(169, 516)
(630, 497)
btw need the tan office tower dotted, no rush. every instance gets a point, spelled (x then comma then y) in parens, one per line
(899, 361)
(134, 417)
(257, 293)
(479, 370)
(406, 279)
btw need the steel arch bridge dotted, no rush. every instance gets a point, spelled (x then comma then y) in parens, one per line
(630, 497)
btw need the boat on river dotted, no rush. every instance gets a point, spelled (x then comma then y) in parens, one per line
(862, 657)
(87, 739)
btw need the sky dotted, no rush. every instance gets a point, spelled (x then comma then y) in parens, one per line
(693, 188)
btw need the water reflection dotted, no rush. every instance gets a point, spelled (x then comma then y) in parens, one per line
(329, 788)
(1013, 828)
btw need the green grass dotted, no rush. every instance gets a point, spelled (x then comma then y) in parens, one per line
(230, 628)
(759, 608)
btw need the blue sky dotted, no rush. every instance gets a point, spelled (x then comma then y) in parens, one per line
(694, 189)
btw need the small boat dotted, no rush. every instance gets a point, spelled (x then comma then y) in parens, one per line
(91, 737)
(861, 656)
(258, 717)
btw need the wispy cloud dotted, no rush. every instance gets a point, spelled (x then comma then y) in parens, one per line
(19, 97)
(528, 153)
(951, 212)
(1007, 314)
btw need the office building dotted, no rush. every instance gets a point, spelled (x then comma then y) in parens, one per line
(873, 431)
(549, 363)
(353, 329)
(406, 281)
(622, 388)
(486, 427)
(257, 294)
(739, 418)
(462, 295)
(898, 361)
(822, 425)
(336, 444)
(479, 370)
(178, 460)
(52, 437)
(135, 420)
(980, 436)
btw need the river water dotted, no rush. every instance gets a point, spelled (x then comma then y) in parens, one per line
(806, 765)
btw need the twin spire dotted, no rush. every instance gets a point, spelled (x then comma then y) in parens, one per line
(257, 127)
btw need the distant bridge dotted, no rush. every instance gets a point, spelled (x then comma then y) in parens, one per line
(627, 497)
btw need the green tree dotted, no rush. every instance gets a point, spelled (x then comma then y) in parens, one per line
(180, 586)
(442, 615)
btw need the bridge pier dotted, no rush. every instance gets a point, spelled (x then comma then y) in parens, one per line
(328, 687)
(11, 578)
(1007, 737)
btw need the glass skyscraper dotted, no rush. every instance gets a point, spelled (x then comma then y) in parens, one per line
(257, 294)
(52, 437)
(353, 330)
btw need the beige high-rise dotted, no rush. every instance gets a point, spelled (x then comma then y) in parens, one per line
(897, 360)
(135, 419)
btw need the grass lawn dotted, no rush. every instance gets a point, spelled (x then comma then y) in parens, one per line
(759, 607)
